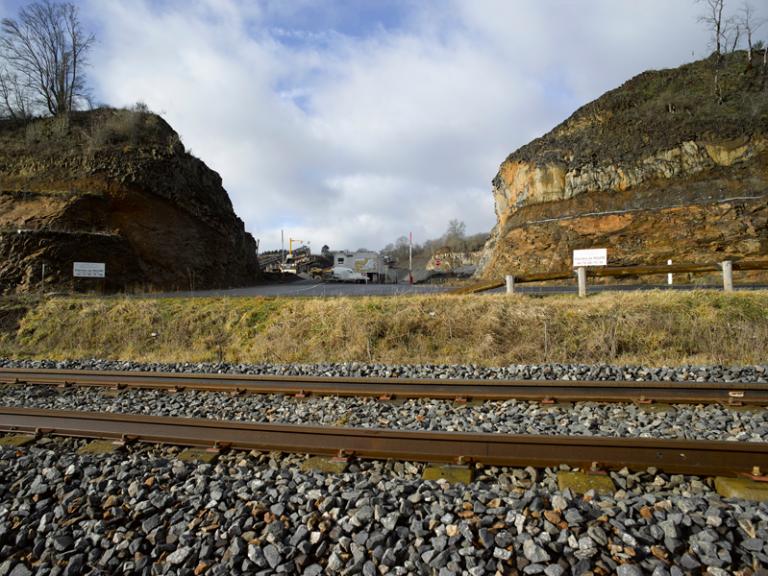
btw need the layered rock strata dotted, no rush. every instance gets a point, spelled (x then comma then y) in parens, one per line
(117, 187)
(654, 170)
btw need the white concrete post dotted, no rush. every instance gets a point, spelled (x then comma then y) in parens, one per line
(669, 276)
(581, 274)
(727, 266)
(510, 284)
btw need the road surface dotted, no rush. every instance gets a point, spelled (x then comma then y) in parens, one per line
(313, 288)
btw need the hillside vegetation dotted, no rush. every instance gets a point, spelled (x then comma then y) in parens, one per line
(655, 328)
(118, 187)
(656, 169)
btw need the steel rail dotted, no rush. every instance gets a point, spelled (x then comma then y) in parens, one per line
(563, 390)
(731, 393)
(679, 456)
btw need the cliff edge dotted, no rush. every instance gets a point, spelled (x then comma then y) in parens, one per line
(114, 186)
(656, 169)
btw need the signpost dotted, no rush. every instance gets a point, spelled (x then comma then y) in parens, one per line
(584, 258)
(591, 257)
(89, 270)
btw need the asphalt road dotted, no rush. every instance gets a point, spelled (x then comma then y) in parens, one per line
(312, 288)
(315, 289)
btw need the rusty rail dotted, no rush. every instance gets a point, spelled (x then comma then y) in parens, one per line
(613, 272)
(730, 393)
(690, 457)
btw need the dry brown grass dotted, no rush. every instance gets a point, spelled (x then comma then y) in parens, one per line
(654, 328)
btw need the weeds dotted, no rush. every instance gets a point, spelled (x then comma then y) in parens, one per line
(653, 328)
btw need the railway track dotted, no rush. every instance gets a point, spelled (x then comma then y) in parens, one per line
(689, 457)
(729, 393)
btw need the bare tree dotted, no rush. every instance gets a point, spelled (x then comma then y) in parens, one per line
(736, 36)
(750, 24)
(720, 30)
(713, 19)
(15, 97)
(47, 49)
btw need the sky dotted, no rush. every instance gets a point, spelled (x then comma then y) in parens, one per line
(353, 122)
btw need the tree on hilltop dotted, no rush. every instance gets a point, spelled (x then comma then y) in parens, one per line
(750, 23)
(718, 25)
(43, 55)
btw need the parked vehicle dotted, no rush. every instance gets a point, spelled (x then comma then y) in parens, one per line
(344, 274)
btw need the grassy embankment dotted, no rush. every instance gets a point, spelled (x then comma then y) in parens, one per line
(654, 328)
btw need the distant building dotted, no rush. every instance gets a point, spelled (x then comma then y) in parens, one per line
(372, 264)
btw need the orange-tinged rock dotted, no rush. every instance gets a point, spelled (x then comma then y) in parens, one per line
(647, 192)
(659, 552)
(553, 516)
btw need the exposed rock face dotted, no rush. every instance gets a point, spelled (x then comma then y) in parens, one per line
(449, 261)
(114, 186)
(655, 169)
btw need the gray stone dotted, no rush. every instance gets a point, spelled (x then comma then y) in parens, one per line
(20, 570)
(629, 570)
(504, 539)
(534, 553)
(272, 554)
(75, 565)
(63, 543)
(335, 563)
(753, 544)
(179, 555)
(554, 570)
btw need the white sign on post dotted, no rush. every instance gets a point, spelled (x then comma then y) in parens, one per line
(89, 270)
(591, 257)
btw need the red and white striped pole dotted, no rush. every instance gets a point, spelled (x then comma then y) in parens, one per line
(410, 257)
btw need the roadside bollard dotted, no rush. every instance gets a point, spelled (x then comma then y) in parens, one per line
(669, 276)
(727, 267)
(510, 284)
(581, 274)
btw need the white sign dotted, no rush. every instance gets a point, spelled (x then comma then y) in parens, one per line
(591, 257)
(89, 270)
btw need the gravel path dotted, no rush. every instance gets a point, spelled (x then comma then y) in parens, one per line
(757, 374)
(146, 512)
(695, 422)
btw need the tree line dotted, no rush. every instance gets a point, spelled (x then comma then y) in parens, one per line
(730, 32)
(43, 57)
(455, 239)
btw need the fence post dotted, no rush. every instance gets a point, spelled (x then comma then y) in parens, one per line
(727, 267)
(510, 284)
(669, 276)
(581, 274)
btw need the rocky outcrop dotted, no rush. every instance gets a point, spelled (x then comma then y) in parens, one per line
(118, 187)
(655, 169)
(448, 261)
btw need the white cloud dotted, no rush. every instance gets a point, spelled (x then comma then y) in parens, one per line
(353, 139)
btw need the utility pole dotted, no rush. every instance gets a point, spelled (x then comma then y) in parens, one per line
(282, 246)
(410, 257)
